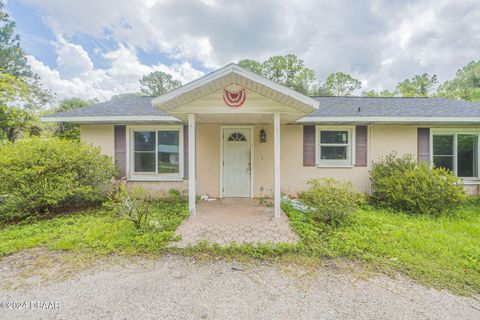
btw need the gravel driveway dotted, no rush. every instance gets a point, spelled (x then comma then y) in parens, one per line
(176, 287)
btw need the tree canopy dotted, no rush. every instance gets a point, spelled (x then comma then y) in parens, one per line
(66, 130)
(287, 70)
(13, 59)
(290, 71)
(157, 83)
(422, 85)
(465, 85)
(342, 84)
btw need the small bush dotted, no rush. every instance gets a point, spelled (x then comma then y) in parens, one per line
(403, 184)
(38, 176)
(331, 201)
(131, 205)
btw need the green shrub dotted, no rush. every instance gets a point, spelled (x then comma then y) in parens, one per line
(406, 185)
(331, 201)
(38, 176)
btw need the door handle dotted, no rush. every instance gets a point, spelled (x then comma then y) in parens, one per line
(249, 167)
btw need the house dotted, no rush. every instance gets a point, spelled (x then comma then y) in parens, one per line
(233, 133)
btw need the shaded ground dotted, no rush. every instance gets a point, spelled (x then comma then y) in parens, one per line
(176, 287)
(241, 220)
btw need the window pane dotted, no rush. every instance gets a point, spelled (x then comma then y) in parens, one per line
(144, 161)
(144, 141)
(334, 137)
(442, 145)
(443, 162)
(467, 155)
(333, 153)
(168, 151)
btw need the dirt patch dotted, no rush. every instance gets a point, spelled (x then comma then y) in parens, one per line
(179, 287)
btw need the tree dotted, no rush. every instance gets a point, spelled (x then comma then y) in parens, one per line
(287, 70)
(465, 85)
(373, 93)
(418, 86)
(320, 89)
(125, 95)
(158, 83)
(13, 61)
(12, 120)
(342, 84)
(65, 130)
(252, 65)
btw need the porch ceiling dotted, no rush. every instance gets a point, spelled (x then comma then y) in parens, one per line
(183, 101)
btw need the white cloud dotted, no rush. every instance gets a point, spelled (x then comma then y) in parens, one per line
(77, 77)
(381, 42)
(72, 59)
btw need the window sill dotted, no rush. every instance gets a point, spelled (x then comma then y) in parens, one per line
(335, 165)
(140, 178)
(471, 181)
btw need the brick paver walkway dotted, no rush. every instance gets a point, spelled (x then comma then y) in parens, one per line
(241, 220)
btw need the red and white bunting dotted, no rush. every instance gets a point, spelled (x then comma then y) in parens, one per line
(234, 99)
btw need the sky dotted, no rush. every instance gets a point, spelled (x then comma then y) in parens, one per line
(96, 49)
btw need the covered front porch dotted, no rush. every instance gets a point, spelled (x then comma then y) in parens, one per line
(226, 113)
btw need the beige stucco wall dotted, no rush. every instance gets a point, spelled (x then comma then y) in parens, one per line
(99, 136)
(208, 159)
(387, 138)
(382, 140)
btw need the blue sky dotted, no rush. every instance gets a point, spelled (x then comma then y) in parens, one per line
(95, 49)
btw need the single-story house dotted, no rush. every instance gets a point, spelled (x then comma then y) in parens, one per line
(233, 133)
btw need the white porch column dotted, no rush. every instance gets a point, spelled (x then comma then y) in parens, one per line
(276, 139)
(192, 177)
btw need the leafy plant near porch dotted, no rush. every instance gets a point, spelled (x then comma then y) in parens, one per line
(131, 205)
(331, 201)
(406, 185)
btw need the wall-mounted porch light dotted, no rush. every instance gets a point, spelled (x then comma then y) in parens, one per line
(263, 136)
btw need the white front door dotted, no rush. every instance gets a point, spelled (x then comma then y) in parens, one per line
(236, 162)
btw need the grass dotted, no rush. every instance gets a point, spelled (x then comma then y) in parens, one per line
(443, 252)
(96, 231)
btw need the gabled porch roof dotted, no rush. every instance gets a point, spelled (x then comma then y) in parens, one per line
(188, 99)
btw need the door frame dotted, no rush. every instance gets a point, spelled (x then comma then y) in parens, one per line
(222, 141)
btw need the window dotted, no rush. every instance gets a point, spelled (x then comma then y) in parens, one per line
(237, 136)
(334, 146)
(457, 152)
(157, 153)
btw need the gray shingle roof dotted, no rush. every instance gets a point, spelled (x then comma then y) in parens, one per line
(329, 107)
(394, 107)
(126, 106)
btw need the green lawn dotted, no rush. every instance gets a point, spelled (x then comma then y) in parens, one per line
(97, 231)
(443, 252)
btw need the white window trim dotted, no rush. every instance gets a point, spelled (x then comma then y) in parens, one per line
(350, 162)
(455, 132)
(148, 176)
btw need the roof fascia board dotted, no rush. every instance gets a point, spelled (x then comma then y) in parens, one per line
(389, 119)
(108, 118)
(232, 68)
